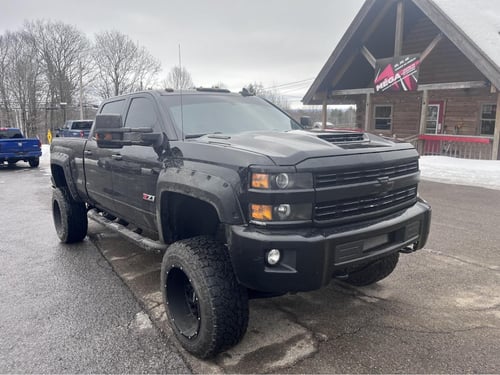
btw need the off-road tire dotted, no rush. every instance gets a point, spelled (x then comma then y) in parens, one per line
(373, 272)
(70, 217)
(35, 162)
(206, 307)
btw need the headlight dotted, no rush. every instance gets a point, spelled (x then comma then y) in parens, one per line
(281, 181)
(281, 212)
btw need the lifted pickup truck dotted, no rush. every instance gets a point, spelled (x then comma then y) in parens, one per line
(15, 147)
(241, 199)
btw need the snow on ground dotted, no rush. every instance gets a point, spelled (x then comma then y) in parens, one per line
(482, 173)
(45, 154)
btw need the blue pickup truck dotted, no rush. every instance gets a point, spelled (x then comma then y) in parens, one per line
(15, 147)
(75, 128)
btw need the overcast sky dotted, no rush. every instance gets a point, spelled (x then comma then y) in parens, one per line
(231, 41)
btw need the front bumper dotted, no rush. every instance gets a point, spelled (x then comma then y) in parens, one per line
(310, 257)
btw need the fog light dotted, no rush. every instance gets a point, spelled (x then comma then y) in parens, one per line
(273, 257)
(283, 211)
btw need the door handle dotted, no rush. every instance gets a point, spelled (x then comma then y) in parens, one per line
(87, 152)
(116, 157)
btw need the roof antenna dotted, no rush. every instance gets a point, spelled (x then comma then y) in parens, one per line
(180, 88)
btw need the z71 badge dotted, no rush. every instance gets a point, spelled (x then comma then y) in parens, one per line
(148, 197)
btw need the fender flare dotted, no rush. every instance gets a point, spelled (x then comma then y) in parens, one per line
(62, 160)
(200, 185)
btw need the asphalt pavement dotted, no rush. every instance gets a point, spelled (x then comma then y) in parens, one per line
(63, 308)
(96, 306)
(438, 312)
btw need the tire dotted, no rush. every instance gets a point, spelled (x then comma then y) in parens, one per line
(373, 272)
(70, 217)
(35, 162)
(206, 307)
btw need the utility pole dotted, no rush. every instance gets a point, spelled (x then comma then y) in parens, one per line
(81, 89)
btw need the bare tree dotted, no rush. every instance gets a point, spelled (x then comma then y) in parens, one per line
(5, 107)
(61, 47)
(178, 78)
(122, 66)
(272, 95)
(23, 79)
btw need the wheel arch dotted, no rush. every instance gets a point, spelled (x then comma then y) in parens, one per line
(61, 174)
(197, 197)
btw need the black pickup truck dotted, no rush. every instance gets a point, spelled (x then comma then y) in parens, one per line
(243, 201)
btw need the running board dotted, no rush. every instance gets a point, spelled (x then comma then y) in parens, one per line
(141, 241)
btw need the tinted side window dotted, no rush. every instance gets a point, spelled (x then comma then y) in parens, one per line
(113, 107)
(141, 113)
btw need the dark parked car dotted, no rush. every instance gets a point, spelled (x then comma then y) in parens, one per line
(75, 128)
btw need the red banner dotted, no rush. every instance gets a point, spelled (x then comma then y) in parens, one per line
(397, 73)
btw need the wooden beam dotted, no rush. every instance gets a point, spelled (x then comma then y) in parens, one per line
(496, 134)
(460, 39)
(352, 92)
(325, 115)
(376, 22)
(379, 18)
(453, 85)
(368, 56)
(398, 35)
(430, 47)
(423, 112)
(368, 111)
(493, 89)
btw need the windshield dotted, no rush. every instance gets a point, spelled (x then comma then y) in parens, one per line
(10, 133)
(228, 114)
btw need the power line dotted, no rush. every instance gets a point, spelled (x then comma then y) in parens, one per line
(289, 84)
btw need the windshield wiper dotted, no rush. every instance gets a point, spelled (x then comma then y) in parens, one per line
(190, 136)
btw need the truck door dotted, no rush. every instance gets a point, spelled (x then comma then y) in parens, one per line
(136, 174)
(98, 164)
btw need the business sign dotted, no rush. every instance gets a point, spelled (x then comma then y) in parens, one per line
(397, 73)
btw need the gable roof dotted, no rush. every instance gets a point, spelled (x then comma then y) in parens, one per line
(472, 26)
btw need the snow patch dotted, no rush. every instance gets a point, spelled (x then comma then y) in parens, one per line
(445, 169)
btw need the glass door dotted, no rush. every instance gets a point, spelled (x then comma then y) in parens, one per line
(432, 126)
(435, 116)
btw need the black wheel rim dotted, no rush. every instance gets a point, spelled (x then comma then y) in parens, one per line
(182, 303)
(56, 214)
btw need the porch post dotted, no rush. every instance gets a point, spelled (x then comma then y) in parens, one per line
(496, 136)
(368, 111)
(398, 40)
(324, 115)
(423, 112)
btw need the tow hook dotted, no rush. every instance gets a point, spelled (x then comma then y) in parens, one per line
(408, 249)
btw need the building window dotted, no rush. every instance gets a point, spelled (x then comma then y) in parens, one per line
(383, 117)
(488, 114)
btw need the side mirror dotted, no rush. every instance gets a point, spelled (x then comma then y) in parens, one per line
(152, 139)
(305, 121)
(107, 131)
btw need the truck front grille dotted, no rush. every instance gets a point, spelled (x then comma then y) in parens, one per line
(365, 207)
(329, 179)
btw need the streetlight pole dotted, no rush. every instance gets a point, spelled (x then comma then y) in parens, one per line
(81, 89)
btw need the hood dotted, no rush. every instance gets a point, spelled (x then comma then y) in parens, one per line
(293, 147)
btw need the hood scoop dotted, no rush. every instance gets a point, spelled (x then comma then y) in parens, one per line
(342, 138)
